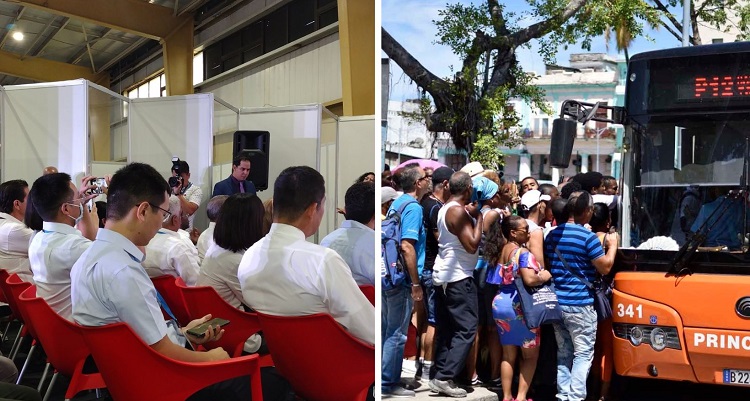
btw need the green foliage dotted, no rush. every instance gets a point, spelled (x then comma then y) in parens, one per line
(472, 104)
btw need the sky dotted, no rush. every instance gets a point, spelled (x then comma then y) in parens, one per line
(410, 23)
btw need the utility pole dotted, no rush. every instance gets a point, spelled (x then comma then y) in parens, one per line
(685, 23)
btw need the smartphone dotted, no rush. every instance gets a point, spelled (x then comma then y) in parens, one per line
(100, 184)
(200, 330)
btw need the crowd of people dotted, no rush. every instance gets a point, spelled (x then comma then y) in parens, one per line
(466, 236)
(88, 259)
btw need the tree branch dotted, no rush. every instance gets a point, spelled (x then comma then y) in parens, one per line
(431, 83)
(661, 7)
(496, 16)
(672, 31)
(542, 28)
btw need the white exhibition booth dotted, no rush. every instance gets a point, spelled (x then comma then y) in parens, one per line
(63, 124)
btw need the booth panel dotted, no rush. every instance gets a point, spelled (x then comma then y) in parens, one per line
(107, 114)
(225, 124)
(294, 139)
(44, 125)
(179, 126)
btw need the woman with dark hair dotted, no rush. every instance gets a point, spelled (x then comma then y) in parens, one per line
(368, 176)
(239, 226)
(505, 249)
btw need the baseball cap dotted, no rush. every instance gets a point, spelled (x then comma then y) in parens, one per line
(441, 174)
(473, 169)
(387, 194)
(531, 198)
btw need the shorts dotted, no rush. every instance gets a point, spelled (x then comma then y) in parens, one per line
(429, 295)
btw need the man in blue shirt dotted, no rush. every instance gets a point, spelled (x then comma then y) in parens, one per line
(584, 255)
(397, 302)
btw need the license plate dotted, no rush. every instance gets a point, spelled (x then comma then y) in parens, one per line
(735, 376)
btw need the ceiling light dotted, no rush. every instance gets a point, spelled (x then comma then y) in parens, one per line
(17, 35)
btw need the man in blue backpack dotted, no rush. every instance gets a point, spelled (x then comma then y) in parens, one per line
(398, 297)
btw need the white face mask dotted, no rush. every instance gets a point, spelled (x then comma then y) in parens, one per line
(80, 214)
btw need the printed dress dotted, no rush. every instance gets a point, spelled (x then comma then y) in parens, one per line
(506, 307)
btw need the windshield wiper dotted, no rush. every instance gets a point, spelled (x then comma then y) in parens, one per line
(695, 239)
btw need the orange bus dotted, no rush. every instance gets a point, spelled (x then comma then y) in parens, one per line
(681, 304)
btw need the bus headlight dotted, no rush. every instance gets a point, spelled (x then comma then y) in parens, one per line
(658, 337)
(636, 336)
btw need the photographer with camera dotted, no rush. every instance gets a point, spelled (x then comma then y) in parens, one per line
(189, 195)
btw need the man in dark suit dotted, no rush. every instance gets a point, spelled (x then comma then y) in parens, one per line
(237, 182)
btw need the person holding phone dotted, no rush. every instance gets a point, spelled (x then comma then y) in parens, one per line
(109, 272)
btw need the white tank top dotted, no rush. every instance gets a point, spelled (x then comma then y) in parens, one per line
(453, 263)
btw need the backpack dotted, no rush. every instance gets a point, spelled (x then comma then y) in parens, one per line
(392, 267)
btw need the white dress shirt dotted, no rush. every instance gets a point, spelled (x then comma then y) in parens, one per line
(354, 242)
(169, 253)
(219, 270)
(52, 253)
(284, 275)
(14, 247)
(205, 241)
(109, 286)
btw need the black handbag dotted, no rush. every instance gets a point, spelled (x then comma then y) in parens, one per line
(601, 288)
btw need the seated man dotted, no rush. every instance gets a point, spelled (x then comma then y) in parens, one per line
(14, 235)
(171, 253)
(109, 285)
(206, 238)
(284, 275)
(55, 249)
(353, 240)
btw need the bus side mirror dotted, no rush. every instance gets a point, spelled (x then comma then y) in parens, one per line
(561, 145)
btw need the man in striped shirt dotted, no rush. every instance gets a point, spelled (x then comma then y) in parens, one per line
(584, 255)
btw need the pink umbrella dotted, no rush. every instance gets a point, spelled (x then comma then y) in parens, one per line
(424, 163)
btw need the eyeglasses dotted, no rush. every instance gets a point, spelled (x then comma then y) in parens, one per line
(524, 229)
(425, 177)
(167, 213)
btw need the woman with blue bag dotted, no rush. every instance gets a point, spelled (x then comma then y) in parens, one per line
(510, 260)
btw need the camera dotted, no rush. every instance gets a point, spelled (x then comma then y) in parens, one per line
(176, 179)
(100, 184)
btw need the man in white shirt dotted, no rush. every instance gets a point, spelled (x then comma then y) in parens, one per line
(206, 238)
(284, 275)
(354, 240)
(171, 253)
(14, 235)
(55, 249)
(188, 194)
(109, 284)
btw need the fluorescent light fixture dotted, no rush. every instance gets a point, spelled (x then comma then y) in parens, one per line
(18, 35)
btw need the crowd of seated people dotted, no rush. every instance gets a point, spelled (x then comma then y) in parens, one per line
(93, 262)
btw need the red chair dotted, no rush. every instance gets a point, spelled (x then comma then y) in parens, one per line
(15, 286)
(314, 353)
(62, 342)
(369, 291)
(22, 331)
(134, 371)
(173, 296)
(204, 300)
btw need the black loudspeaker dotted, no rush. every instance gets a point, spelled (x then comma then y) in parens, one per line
(561, 145)
(255, 145)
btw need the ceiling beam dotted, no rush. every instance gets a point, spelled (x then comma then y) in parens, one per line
(39, 69)
(43, 44)
(133, 16)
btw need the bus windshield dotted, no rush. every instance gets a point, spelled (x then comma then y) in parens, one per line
(685, 176)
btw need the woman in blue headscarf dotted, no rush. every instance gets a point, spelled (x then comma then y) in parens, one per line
(486, 194)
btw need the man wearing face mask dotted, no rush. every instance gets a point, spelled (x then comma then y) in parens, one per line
(55, 249)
